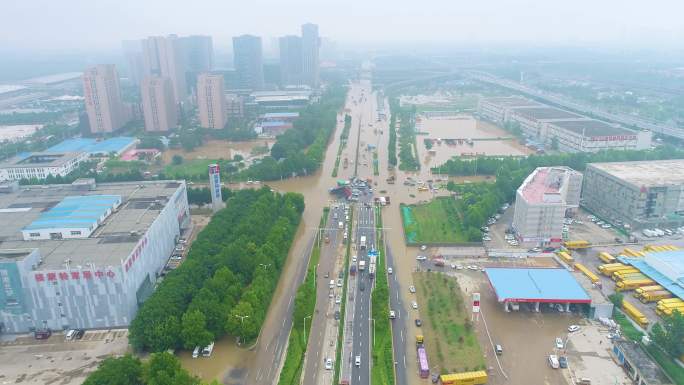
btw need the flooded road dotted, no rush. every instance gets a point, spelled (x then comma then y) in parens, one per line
(231, 364)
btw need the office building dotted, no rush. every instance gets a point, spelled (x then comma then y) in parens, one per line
(102, 93)
(159, 107)
(248, 61)
(40, 165)
(291, 57)
(310, 55)
(85, 255)
(211, 101)
(541, 204)
(642, 194)
(163, 56)
(198, 53)
(133, 54)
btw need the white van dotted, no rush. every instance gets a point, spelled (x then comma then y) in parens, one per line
(195, 353)
(340, 225)
(553, 361)
(70, 334)
(332, 284)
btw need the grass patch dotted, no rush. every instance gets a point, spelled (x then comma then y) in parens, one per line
(382, 371)
(626, 326)
(116, 166)
(450, 339)
(376, 165)
(296, 347)
(189, 167)
(434, 222)
(670, 367)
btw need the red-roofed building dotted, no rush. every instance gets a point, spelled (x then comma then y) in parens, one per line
(541, 204)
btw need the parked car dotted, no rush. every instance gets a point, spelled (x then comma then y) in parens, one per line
(328, 364)
(559, 343)
(414, 305)
(412, 289)
(563, 362)
(573, 328)
(419, 322)
(421, 258)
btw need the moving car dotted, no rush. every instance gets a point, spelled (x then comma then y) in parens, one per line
(419, 323)
(392, 314)
(357, 361)
(328, 364)
(498, 349)
(338, 299)
(389, 270)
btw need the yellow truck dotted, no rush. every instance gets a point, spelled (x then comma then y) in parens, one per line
(606, 258)
(593, 277)
(652, 296)
(610, 268)
(578, 244)
(633, 284)
(628, 276)
(465, 378)
(670, 300)
(629, 252)
(644, 289)
(669, 311)
(635, 314)
(625, 271)
(566, 257)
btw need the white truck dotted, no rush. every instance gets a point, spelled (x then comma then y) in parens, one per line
(362, 265)
(362, 243)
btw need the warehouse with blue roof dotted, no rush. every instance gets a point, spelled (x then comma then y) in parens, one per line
(73, 217)
(664, 267)
(96, 147)
(536, 286)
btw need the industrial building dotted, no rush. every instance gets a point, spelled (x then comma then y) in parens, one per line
(664, 267)
(638, 364)
(85, 255)
(96, 147)
(40, 165)
(535, 286)
(593, 136)
(639, 194)
(542, 202)
(569, 131)
(281, 100)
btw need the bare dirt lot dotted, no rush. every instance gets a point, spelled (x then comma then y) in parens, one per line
(24, 360)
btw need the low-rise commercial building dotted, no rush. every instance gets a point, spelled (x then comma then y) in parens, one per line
(85, 255)
(541, 204)
(532, 119)
(499, 109)
(640, 194)
(40, 165)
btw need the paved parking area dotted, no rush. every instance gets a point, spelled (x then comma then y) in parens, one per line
(24, 360)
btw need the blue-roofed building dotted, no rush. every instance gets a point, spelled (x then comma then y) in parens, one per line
(664, 267)
(73, 217)
(95, 147)
(536, 286)
(287, 116)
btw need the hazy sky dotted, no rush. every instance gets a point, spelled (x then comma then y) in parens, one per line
(88, 24)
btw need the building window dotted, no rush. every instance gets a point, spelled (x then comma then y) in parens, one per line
(34, 234)
(75, 233)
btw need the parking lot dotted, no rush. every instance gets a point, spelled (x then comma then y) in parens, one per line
(25, 360)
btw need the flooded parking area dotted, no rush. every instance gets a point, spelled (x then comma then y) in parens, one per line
(462, 136)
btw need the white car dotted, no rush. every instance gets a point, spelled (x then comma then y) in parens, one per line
(357, 361)
(392, 314)
(573, 328)
(354, 259)
(606, 226)
(559, 343)
(421, 258)
(328, 364)
(459, 267)
(414, 305)
(412, 289)
(338, 299)
(423, 247)
(389, 270)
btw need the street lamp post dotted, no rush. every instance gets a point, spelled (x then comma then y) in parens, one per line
(242, 322)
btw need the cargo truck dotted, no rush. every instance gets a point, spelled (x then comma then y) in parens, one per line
(609, 269)
(465, 378)
(362, 265)
(627, 270)
(363, 242)
(652, 296)
(644, 289)
(668, 312)
(635, 314)
(633, 284)
(579, 244)
(628, 276)
(593, 277)
(606, 258)
(566, 257)
(669, 305)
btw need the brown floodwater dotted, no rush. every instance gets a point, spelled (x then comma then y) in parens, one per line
(231, 364)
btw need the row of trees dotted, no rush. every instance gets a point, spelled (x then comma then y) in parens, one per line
(227, 281)
(300, 150)
(392, 146)
(202, 195)
(408, 160)
(161, 369)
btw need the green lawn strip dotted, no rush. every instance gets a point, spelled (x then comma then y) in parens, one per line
(376, 166)
(382, 371)
(296, 347)
(343, 143)
(188, 167)
(435, 222)
(628, 329)
(450, 339)
(670, 367)
(343, 308)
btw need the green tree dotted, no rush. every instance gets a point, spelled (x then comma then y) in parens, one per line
(126, 370)
(165, 369)
(669, 334)
(616, 299)
(194, 330)
(238, 158)
(177, 159)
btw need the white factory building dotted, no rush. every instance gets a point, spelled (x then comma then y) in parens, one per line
(551, 126)
(541, 204)
(39, 165)
(85, 255)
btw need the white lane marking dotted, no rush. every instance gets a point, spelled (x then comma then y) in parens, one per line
(402, 335)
